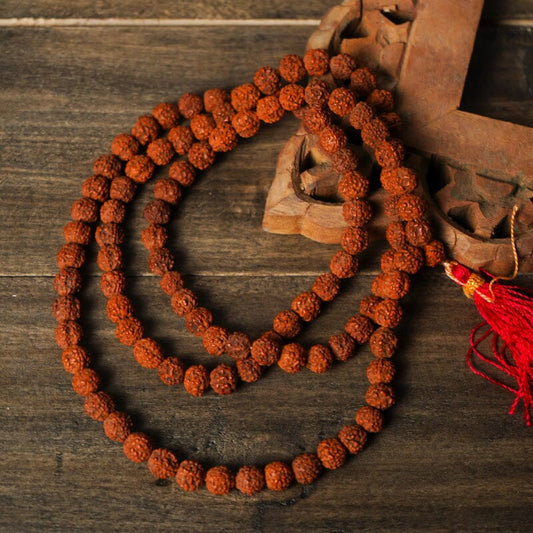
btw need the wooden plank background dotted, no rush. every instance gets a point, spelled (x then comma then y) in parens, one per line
(450, 459)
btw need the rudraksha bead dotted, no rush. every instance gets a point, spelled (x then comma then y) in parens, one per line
(326, 286)
(190, 475)
(198, 321)
(353, 438)
(84, 210)
(190, 104)
(245, 96)
(137, 447)
(250, 480)
(265, 351)
(368, 305)
(183, 172)
(332, 453)
(171, 282)
(316, 62)
(196, 380)
(343, 265)
(269, 109)
(98, 405)
(107, 165)
(112, 282)
(223, 113)
(315, 120)
(380, 371)
(109, 233)
(362, 82)
(113, 211)
(183, 301)
(75, 358)
(246, 123)
(249, 371)
(160, 261)
(380, 396)
(357, 212)
(393, 285)
(383, 343)
(361, 115)
(215, 97)
(344, 160)
(219, 480)
(398, 180)
(67, 281)
(287, 323)
(66, 308)
(128, 331)
(418, 232)
(162, 463)
(68, 333)
(291, 68)
(117, 426)
(395, 235)
(317, 94)
(332, 138)
(96, 187)
(342, 346)
(77, 233)
(388, 313)
(409, 259)
(148, 353)
(118, 307)
(157, 212)
(278, 476)
(214, 340)
(411, 206)
(390, 154)
(201, 155)
(341, 101)
(171, 371)
(146, 129)
(86, 381)
(319, 359)
(360, 328)
(125, 146)
(387, 261)
(223, 379)
(381, 100)
(140, 168)
(292, 97)
(154, 236)
(435, 253)
(293, 358)
(353, 185)
(160, 151)
(122, 188)
(202, 125)
(306, 468)
(110, 257)
(341, 66)
(267, 80)
(223, 138)
(181, 138)
(354, 240)
(370, 419)
(306, 305)
(374, 132)
(166, 114)
(238, 345)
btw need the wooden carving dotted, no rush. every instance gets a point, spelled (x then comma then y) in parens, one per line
(477, 168)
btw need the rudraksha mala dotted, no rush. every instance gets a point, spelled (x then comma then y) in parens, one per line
(336, 91)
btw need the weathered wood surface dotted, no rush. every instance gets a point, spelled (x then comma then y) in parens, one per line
(449, 459)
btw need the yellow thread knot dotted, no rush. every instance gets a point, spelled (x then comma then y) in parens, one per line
(475, 281)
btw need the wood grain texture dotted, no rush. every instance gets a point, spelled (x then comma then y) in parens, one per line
(450, 459)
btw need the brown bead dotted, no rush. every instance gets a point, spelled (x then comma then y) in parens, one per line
(68, 334)
(370, 419)
(224, 112)
(162, 463)
(250, 480)
(292, 358)
(202, 125)
(113, 211)
(292, 97)
(66, 308)
(265, 351)
(435, 253)
(123, 189)
(223, 138)
(249, 371)
(201, 155)
(171, 282)
(374, 132)
(112, 282)
(137, 447)
(353, 438)
(183, 172)
(219, 480)
(157, 212)
(307, 306)
(75, 358)
(109, 233)
(238, 345)
(198, 321)
(85, 381)
(319, 359)
(117, 426)
(361, 115)
(393, 285)
(118, 308)
(196, 380)
(383, 343)
(96, 187)
(223, 379)
(278, 476)
(362, 82)
(190, 104)
(245, 96)
(343, 265)
(353, 185)
(267, 80)
(67, 281)
(381, 100)
(316, 62)
(84, 210)
(215, 97)
(380, 371)
(181, 138)
(368, 305)
(409, 259)
(360, 328)
(388, 313)
(146, 129)
(291, 68)
(332, 453)
(128, 331)
(148, 353)
(171, 371)
(354, 240)
(269, 109)
(390, 154)
(287, 324)
(125, 146)
(160, 261)
(306, 468)
(315, 120)
(357, 212)
(380, 396)
(342, 346)
(411, 206)
(317, 94)
(398, 180)
(342, 66)
(77, 233)
(154, 236)
(393, 121)
(107, 165)
(160, 151)
(190, 475)
(326, 286)
(395, 235)
(246, 123)
(332, 138)
(341, 101)
(343, 161)
(110, 257)
(418, 232)
(98, 405)
(166, 114)
(214, 339)
(183, 301)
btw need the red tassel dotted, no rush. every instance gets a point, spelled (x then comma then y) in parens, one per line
(508, 318)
